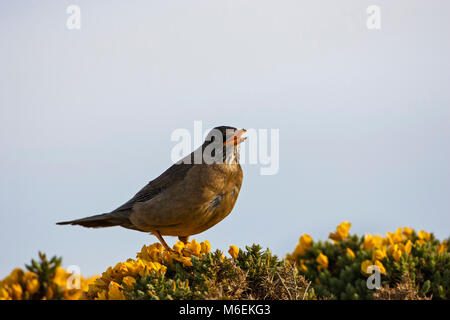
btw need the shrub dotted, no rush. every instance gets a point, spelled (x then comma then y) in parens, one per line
(193, 272)
(412, 265)
(339, 269)
(43, 280)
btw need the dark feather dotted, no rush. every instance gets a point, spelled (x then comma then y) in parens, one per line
(169, 177)
(102, 221)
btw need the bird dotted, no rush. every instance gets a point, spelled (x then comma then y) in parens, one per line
(191, 196)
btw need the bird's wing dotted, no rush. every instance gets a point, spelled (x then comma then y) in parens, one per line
(169, 177)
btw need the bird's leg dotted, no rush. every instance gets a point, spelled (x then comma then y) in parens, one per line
(161, 239)
(184, 239)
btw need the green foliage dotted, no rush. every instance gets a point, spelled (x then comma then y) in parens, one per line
(426, 267)
(413, 265)
(45, 270)
(254, 274)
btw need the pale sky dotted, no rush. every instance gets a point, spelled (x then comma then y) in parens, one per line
(86, 117)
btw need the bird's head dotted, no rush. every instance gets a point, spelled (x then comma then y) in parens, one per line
(223, 143)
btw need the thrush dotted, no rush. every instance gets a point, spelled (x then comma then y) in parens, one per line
(190, 197)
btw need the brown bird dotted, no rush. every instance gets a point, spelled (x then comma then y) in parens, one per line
(188, 198)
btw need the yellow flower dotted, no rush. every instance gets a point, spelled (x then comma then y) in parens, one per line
(167, 257)
(380, 265)
(397, 254)
(14, 277)
(206, 246)
(303, 245)
(115, 292)
(129, 282)
(442, 248)
(365, 265)
(396, 237)
(151, 267)
(102, 295)
(186, 261)
(73, 294)
(4, 294)
(234, 251)
(341, 231)
(153, 252)
(406, 248)
(379, 254)
(149, 260)
(420, 242)
(32, 286)
(350, 252)
(60, 278)
(305, 241)
(424, 235)
(16, 291)
(408, 231)
(372, 242)
(322, 260)
(195, 247)
(179, 246)
(302, 266)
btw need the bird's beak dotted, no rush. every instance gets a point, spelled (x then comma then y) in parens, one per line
(236, 138)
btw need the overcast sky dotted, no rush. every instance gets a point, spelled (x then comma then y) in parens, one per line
(86, 117)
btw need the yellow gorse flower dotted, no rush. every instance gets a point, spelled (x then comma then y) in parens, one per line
(206, 247)
(365, 266)
(233, 251)
(4, 294)
(378, 254)
(151, 259)
(372, 242)
(397, 254)
(15, 276)
(115, 291)
(406, 248)
(396, 237)
(442, 248)
(129, 281)
(322, 260)
(408, 231)
(304, 243)
(424, 235)
(32, 285)
(380, 266)
(178, 247)
(350, 252)
(195, 247)
(302, 266)
(16, 291)
(24, 285)
(118, 281)
(341, 231)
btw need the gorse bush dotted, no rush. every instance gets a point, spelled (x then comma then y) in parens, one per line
(193, 272)
(43, 280)
(339, 269)
(412, 265)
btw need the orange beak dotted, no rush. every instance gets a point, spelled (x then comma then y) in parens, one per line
(236, 138)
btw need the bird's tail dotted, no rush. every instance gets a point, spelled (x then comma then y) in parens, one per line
(99, 221)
